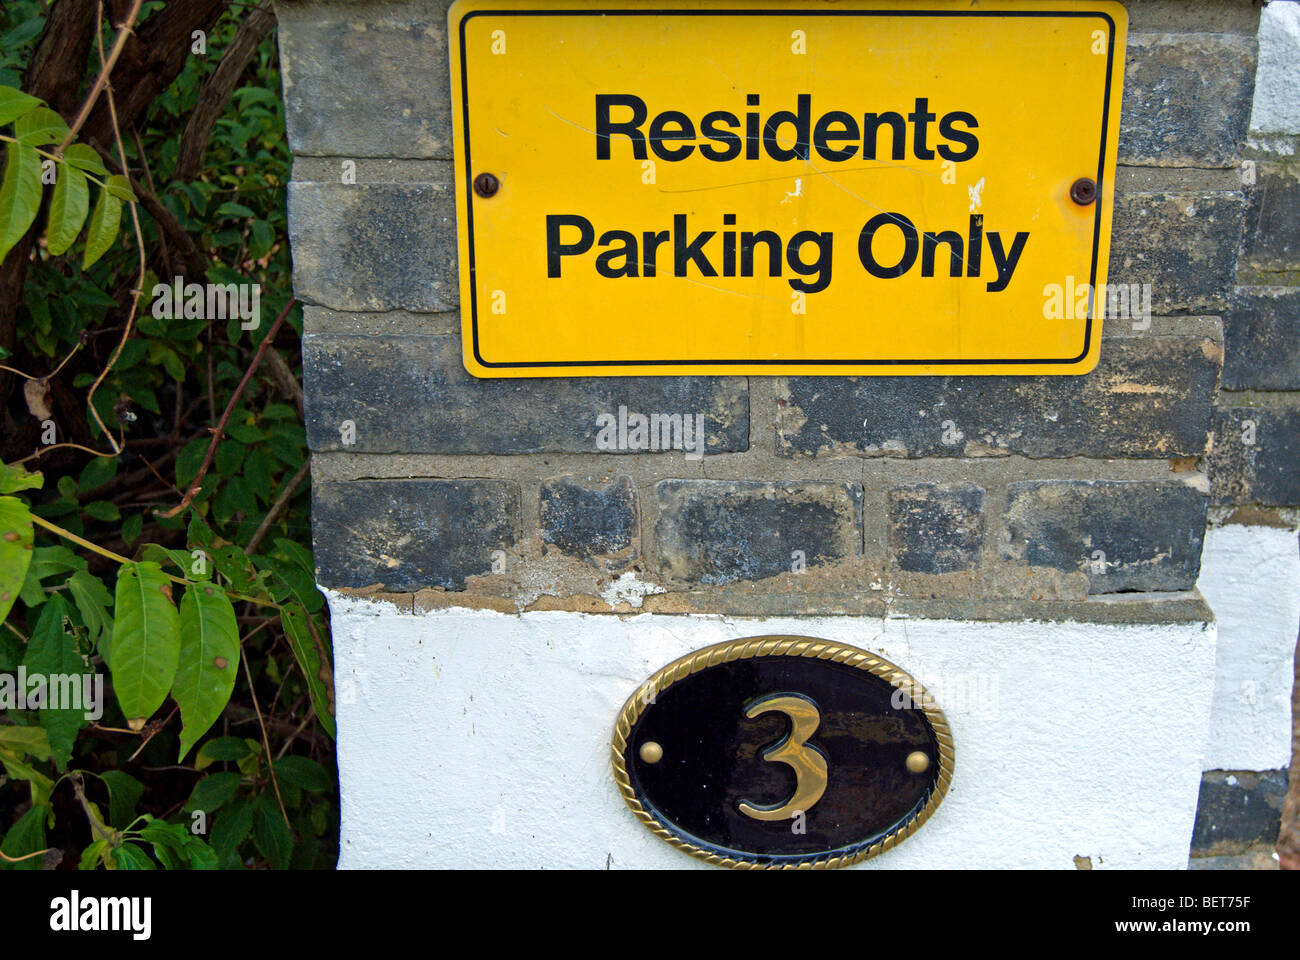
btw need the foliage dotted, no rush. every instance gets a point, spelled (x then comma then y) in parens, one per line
(189, 593)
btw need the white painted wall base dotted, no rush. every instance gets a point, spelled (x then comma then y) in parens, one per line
(1250, 577)
(478, 739)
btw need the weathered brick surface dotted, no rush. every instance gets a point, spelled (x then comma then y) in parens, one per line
(410, 534)
(412, 394)
(1184, 245)
(1255, 454)
(598, 522)
(1124, 535)
(936, 528)
(1261, 339)
(716, 531)
(378, 246)
(1238, 809)
(1187, 98)
(1148, 397)
(1271, 243)
(332, 69)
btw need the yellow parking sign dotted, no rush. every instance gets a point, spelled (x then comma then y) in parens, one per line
(784, 188)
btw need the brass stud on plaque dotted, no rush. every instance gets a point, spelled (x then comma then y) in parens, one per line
(782, 752)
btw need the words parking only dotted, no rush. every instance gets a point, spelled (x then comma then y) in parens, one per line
(623, 126)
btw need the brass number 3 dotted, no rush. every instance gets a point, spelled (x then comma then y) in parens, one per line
(807, 762)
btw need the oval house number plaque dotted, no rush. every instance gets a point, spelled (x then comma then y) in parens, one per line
(782, 752)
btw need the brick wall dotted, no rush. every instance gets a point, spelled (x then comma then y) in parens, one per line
(881, 489)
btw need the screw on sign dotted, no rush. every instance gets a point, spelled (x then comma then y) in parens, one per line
(1083, 191)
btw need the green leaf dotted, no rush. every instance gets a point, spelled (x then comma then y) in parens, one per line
(32, 594)
(270, 834)
(103, 227)
(263, 240)
(92, 855)
(39, 127)
(221, 749)
(25, 741)
(68, 208)
(245, 433)
(231, 209)
(15, 103)
(231, 828)
(85, 158)
(26, 836)
(168, 840)
(93, 602)
(190, 459)
(200, 855)
(103, 511)
(132, 527)
(15, 550)
(41, 785)
(214, 791)
(300, 583)
(305, 773)
(96, 473)
(124, 792)
(20, 195)
(209, 660)
(120, 187)
(52, 651)
(129, 856)
(298, 554)
(199, 532)
(313, 662)
(14, 478)
(11, 648)
(146, 641)
(230, 456)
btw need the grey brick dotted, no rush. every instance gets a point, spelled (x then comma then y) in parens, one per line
(1187, 98)
(1146, 533)
(379, 246)
(1271, 243)
(1255, 454)
(1208, 16)
(412, 394)
(1261, 339)
(936, 528)
(1184, 245)
(596, 522)
(717, 531)
(1238, 809)
(411, 534)
(333, 68)
(1148, 397)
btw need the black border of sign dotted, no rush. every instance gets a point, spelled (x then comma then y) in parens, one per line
(469, 179)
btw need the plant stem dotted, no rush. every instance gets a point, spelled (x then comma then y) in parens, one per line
(109, 554)
(219, 430)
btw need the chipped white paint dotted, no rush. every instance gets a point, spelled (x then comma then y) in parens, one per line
(1250, 576)
(975, 194)
(1276, 108)
(474, 738)
(630, 590)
